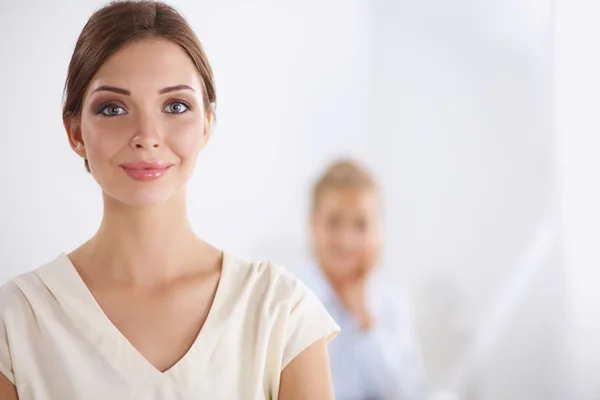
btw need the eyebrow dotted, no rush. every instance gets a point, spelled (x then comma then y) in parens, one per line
(168, 89)
(105, 88)
(175, 88)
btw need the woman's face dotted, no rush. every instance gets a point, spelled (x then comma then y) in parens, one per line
(346, 232)
(143, 122)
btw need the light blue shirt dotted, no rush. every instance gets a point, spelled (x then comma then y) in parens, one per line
(381, 364)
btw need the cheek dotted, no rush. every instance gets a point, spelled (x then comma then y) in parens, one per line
(374, 236)
(102, 142)
(186, 141)
(331, 242)
(372, 244)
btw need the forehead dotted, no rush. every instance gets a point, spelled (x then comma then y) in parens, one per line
(349, 199)
(148, 64)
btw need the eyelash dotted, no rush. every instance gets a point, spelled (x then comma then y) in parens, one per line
(184, 103)
(104, 106)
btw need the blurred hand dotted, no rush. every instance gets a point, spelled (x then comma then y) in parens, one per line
(354, 298)
(353, 292)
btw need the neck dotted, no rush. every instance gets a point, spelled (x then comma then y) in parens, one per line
(143, 244)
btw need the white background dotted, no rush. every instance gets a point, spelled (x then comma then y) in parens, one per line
(451, 103)
(578, 123)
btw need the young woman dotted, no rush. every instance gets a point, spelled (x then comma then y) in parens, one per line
(145, 309)
(376, 356)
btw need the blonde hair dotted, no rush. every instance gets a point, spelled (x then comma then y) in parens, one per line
(343, 174)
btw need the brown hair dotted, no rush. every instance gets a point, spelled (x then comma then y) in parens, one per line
(118, 23)
(342, 174)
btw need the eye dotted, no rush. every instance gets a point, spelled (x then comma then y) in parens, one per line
(112, 110)
(334, 222)
(177, 107)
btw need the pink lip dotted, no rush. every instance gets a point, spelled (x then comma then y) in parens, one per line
(146, 170)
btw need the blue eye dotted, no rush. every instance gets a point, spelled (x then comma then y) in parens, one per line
(112, 110)
(176, 107)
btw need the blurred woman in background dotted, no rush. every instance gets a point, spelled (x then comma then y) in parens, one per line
(376, 356)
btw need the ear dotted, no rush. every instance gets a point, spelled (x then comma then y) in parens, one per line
(206, 129)
(73, 128)
(207, 125)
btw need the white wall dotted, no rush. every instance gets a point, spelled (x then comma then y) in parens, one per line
(578, 85)
(450, 102)
(463, 121)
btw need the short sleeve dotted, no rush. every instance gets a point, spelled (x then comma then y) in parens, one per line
(6, 367)
(308, 322)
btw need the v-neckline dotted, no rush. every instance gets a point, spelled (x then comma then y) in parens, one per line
(84, 311)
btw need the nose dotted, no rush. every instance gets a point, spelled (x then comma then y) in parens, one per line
(350, 242)
(147, 134)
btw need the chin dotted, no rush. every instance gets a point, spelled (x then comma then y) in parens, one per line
(142, 197)
(346, 265)
(340, 271)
